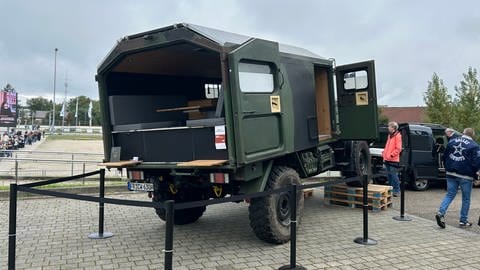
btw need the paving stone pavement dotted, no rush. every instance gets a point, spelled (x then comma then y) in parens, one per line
(52, 234)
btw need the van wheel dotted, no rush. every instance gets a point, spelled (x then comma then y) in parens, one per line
(361, 163)
(182, 216)
(270, 215)
(380, 180)
(420, 184)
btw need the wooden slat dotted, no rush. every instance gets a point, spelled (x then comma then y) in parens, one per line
(188, 108)
(193, 105)
(322, 137)
(204, 103)
(120, 164)
(202, 163)
(322, 102)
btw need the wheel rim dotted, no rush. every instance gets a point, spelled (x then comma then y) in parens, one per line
(421, 183)
(283, 208)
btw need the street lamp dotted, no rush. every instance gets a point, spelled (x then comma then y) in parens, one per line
(52, 129)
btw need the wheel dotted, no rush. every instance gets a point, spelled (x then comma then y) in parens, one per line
(420, 184)
(380, 180)
(270, 215)
(361, 163)
(182, 216)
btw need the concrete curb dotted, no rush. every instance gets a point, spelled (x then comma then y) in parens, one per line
(5, 195)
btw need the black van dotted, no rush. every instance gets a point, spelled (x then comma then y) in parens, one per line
(423, 146)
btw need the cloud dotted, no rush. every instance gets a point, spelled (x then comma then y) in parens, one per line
(408, 40)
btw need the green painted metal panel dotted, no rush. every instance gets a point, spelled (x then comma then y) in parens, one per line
(262, 125)
(258, 124)
(357, 101)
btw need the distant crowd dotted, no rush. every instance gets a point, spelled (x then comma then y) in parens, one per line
(14, 140)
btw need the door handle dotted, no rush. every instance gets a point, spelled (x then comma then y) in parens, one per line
(249, 112)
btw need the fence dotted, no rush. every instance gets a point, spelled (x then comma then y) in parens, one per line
(170, 206)
(21, 164)
(64, 129)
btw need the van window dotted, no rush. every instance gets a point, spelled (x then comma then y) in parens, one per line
(381, 140)
(255, 78)
(421, 140)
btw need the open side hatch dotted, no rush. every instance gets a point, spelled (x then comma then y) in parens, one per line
(357, 101)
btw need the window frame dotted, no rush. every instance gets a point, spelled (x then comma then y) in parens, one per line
(355, 81)
(271, 67)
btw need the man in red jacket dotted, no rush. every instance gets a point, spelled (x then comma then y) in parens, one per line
(391, 156)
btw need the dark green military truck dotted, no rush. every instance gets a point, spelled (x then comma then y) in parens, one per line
(209, 113)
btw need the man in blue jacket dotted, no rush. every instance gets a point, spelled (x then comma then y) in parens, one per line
(462, 161)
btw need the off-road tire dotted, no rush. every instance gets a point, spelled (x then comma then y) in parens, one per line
(270, 215)
(361, 163)
(182, 216)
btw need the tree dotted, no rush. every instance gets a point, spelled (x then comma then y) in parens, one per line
(467, 101)
(96, 115)
(39, 104)
(382, 118)
(83, 103)
(439, 103)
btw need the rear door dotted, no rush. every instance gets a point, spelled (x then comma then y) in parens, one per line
(423, 158)
(406, 154)
(257, 102)
(357, 101)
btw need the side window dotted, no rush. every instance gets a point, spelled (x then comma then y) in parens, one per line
(355, 80)
(381, 140)
(421, 141)
(255, 77)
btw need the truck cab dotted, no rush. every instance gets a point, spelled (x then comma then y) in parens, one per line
(195, 113)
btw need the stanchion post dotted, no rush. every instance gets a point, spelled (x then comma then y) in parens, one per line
(293, 231)
(101, 234)
(365, 240)
(16, 170)
(402, 216)
(73, 157)
(83, 172)
(101, 216)
(12, 227)
(168, 251)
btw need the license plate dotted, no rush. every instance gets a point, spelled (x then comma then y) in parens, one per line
(140, 186)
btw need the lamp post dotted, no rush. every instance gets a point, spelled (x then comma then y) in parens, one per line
(64, 106)
(52, 129)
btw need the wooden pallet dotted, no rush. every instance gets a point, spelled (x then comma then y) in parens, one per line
(375, 191)
(379, 197)
(371, 200)
(121, 164)
(308, 192)
(373, 208)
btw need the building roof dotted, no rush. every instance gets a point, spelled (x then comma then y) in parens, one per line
(405, 114)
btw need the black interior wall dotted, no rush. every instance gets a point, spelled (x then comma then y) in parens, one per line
(148, 84)
(134, 98)
(301, 80)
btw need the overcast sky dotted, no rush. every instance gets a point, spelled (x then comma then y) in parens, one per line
(409, 40)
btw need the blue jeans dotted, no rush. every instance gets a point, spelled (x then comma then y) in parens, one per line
(392, 177)
(452, 187)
